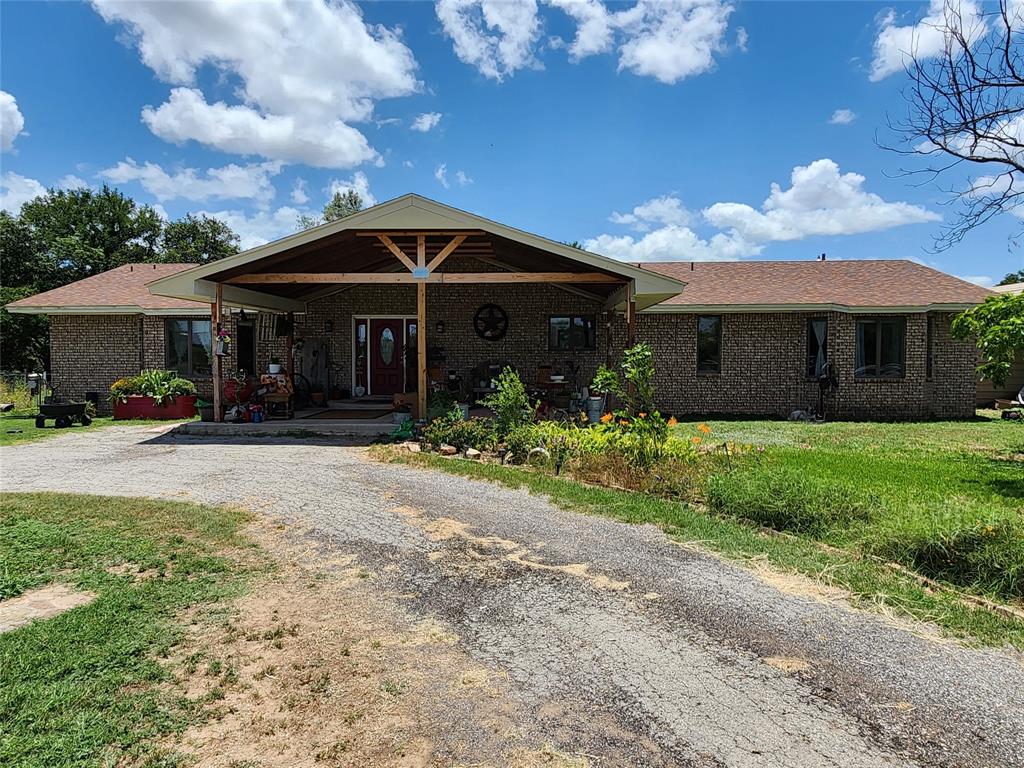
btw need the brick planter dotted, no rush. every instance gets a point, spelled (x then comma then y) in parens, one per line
(142, 407)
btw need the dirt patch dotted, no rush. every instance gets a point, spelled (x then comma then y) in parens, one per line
(314, 668)
(485, 548)
(787, 664)
(40, 603)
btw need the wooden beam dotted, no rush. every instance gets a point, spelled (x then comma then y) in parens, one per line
(421, 349)
(445, 252)
(417, 232)
(215, 313)
(397, 251)
(438, 277)
(421, 251)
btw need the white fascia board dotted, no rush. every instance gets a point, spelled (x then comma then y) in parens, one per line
(723, 309)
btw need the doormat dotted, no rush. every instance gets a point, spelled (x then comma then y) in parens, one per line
(350, 413)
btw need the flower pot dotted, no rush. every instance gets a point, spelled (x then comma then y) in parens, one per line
(464, 410)
(222, 347)
(400, 417)
(143, 407)
(206, 413)
(595, 407)
(274, 368)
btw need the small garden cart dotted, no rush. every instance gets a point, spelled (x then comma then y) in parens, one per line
(63, 414)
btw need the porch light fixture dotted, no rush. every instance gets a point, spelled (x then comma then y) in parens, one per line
(241, 316)
(440, 326)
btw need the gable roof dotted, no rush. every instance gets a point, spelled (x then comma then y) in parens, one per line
(410, 212)
(855, 286)
(1009, 288)
(117, 291)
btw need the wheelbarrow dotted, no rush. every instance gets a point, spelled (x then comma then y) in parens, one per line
(63, 414)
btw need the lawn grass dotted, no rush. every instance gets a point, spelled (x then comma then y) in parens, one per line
(859, 495)
(21, 427)
(83, 688)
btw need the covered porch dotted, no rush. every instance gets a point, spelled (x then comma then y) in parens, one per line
(412, 299)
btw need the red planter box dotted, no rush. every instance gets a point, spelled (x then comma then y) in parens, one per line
(140, 407)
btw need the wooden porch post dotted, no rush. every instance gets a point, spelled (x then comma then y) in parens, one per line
(421, 349)
(215, 310)
(421, 329)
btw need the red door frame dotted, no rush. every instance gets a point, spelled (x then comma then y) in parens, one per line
(374, 325)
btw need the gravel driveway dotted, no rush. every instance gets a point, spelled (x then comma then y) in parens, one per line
(683, 659)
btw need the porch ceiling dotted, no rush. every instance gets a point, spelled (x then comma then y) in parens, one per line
(362, 252)
(324, 259)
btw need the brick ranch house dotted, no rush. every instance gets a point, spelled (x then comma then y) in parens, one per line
(389, 299)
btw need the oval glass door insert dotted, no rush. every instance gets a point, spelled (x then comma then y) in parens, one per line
(387, 346)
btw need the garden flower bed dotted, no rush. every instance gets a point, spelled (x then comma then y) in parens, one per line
(153, 394)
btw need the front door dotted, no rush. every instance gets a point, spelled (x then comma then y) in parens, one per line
(387, 359)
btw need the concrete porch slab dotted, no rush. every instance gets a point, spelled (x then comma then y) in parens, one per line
(360, 428)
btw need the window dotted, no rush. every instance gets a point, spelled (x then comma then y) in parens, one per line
(187, 348)
(879, 352)
(817, 347)
(571, 333)
(709, 344)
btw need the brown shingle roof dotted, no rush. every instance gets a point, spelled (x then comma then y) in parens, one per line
(859, 284)
(122, 288)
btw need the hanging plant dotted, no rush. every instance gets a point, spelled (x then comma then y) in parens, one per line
(223, 345)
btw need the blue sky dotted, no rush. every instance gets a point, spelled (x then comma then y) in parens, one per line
(646, 130)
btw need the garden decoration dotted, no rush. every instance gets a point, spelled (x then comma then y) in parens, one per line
(223, 346)
(490, 322)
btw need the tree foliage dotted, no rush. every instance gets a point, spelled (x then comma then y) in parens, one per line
(998, 326)
(68, 235)
(966, 114)
(340, 205)
(1013, 277)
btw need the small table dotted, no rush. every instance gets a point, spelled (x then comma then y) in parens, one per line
(272, 402)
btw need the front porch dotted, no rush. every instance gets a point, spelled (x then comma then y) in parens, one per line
(411, 298)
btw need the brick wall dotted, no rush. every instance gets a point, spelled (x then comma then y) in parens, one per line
(88, 353)
(763, 355)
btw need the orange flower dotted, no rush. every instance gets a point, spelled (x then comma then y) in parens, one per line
(623, 422)
(695, 440)
(672, 421)
(606, 418)
(704, 428)
(642, 415)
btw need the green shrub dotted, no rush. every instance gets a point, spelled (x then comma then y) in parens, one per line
(786, 500)
(16, 391)
(980, 549)
(509, 402)
(452, 429)
(520, 441)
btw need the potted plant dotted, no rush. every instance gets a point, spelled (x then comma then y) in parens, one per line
(275, 365)
(223, 345)
(606, 381)
(205, 410)
(153, 394)
(402, 413)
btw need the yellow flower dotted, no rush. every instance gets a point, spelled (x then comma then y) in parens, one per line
(695, 440)
(606, 418)
(704, 428)
(672, 421)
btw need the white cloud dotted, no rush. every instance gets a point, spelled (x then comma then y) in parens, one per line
(495, 36)
(358, 183)
(12, 123)
(260, 227)
(820, 201)
(299, 195)
(842, 117)
(441, 174)
(243, 130)
(231, 182)
(671, 243)
(463, 178)
(672, 39)
(426, 122)
(896, 45)
(658, 210)
(305, 70)
(70, 181)
(742, 39)
(16, 190)
(665, 39)
(983, 280)
(408, 163)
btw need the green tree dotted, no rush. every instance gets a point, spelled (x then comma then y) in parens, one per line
(80, 232)
(24, 339)
(198, 239)
(998, 326)
(1013, 277)
(340, 205)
